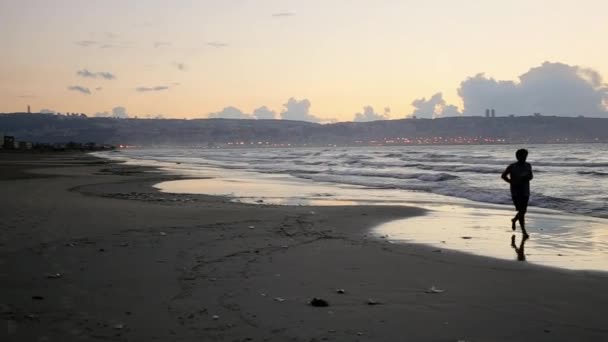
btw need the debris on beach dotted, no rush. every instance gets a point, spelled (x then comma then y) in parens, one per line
(251, 227)
(53, 275)
(466, 237)
(318, 302)
(371, 301)
(163, 234)
(434, 289)
(215, 317)
(340, 291)
(279, 299)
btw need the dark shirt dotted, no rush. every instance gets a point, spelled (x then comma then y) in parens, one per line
(520, 175)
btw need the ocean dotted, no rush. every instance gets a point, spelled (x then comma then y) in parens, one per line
(568, 178)
(469, 204)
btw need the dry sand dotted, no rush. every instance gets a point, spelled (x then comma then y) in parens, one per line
(90, 251)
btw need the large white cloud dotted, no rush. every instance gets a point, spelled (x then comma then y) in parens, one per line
(117, 112)
(370, 115)
(229, 113)
(264, 113)
(434, 107)
(550, 89)
(298, 110)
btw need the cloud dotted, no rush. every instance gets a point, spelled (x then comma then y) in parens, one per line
(117, 112)
(369, 115)
(229, 113)
(180, 66)
(146, 89)
(161, 44)
(86, 43)
(106, 75)
(120, 112)
(217, 44)
(154, 116)
(89, 74)
(123, 45)
(81, 89)
(86, 73)
(433, 108)
(283, 14)
(551, 89)
(298, 110)
(264, 113)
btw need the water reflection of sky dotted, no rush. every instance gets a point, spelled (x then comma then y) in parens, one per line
(560, 240)
(567, 241)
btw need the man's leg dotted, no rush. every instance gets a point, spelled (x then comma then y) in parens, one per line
(513, 220)
(522, 222)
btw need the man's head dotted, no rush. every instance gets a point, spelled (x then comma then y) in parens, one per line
(521, 155)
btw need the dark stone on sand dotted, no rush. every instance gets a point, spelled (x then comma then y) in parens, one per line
(37, 297)
(318, 302)
(372, 301)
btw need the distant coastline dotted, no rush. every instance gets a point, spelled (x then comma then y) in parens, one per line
(220, 133)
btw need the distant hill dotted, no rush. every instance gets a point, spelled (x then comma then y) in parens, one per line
(49, 128)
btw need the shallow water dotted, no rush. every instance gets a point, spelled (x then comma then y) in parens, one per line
(568, 177)
(566, 241)
(558, 238)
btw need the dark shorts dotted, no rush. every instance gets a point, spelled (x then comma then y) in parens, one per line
(521, 202)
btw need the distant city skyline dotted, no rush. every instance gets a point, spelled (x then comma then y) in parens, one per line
(311, 60)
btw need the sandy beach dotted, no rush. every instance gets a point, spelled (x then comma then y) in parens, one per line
(89, 250)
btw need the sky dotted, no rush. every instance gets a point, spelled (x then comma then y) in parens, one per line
(316, 60)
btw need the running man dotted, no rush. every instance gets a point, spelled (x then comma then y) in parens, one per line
(519, 175)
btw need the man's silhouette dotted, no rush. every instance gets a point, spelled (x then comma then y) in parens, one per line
(519, 175)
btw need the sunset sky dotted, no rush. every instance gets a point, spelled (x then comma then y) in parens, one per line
(187, 59)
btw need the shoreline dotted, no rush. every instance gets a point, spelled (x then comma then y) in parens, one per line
(138, 264)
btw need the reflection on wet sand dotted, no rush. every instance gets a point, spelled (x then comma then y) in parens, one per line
(519, 251)
(559, 240)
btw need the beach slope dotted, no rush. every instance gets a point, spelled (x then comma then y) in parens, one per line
(90, 250)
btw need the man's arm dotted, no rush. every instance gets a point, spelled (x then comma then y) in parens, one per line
(505, 173)
(531, 174)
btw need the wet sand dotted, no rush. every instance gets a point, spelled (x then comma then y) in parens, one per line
(90, 250)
